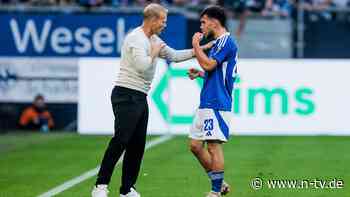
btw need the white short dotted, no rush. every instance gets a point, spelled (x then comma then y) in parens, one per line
(211, 124)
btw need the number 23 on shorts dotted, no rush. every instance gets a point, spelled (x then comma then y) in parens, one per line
(208, 126)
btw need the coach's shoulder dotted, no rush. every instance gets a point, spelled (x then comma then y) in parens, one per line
(135, 38)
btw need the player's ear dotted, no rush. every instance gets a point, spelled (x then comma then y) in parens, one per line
(216, 23)
(210, 21)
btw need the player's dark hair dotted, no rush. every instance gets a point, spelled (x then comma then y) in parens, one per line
(215, 12)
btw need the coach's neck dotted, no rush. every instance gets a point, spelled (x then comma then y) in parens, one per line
(146, 27)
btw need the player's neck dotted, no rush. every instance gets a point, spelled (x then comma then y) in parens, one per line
(219, 32)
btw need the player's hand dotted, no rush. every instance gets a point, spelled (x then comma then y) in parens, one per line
(208, 45)
(155, 48)
(197, 37)
(193, 73)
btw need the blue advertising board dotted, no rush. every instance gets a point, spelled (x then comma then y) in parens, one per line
(76, 35)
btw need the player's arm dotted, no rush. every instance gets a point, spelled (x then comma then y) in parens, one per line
(204, 61)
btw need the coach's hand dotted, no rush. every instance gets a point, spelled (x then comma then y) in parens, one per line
(194, 73)
(197, 37)
(155, 48)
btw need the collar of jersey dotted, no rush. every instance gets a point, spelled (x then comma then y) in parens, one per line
(223, 35)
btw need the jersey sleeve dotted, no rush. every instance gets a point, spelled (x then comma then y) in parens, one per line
(224, 50)
(140, 56)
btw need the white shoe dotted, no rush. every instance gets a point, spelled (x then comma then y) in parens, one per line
(100, 191)
(132, 193)
(225, 188)
(213, 194)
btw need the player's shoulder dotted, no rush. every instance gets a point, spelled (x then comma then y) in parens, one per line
(231, 43)
(226, 41)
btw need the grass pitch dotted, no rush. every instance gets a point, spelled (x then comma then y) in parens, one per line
(33, 163)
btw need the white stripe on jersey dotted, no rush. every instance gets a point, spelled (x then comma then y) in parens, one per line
(224, 39)
(220, 42)
(224, 70)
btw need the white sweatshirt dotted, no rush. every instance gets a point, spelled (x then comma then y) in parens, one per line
(136, 66)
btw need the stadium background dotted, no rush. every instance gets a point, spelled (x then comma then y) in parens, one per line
(293, 81)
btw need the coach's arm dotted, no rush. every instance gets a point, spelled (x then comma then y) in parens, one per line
(142, 60)
(178, 55)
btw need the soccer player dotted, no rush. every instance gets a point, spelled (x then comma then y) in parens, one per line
(212, 120)
(139, 54)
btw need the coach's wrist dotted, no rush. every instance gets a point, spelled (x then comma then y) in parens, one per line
(193, 53)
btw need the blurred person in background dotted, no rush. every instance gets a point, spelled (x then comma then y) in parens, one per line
(209, 2)
(93, 3)
(6, 1)
(179, 2)
(36, 116)
(341, 3)
(43, 2)
(143, 3)
(316, 8)
(277, 7)
(317, 5)
(242, 9)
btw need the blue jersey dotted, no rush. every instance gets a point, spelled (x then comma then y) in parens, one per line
(218, 83)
